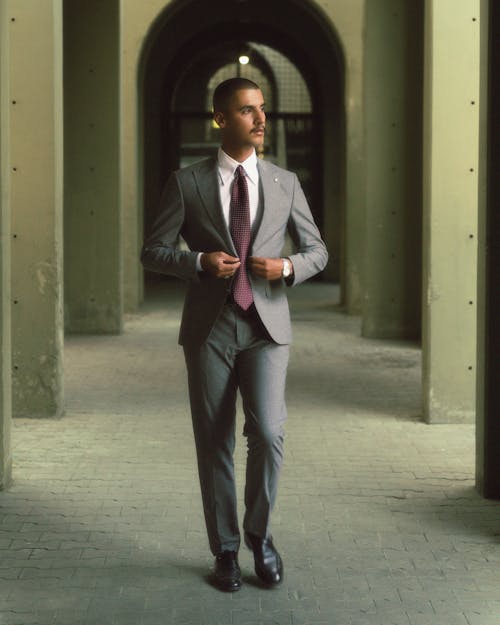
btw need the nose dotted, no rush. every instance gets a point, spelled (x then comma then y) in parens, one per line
(260, 117)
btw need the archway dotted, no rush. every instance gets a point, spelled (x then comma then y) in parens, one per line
(295, 30)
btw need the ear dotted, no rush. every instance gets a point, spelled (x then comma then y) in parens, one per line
(219, 119)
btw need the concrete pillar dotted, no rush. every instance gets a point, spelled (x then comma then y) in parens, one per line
(346, 198)
(351, 218)
(5, 234)
(451, 125)
(92, 219)
(488, 348)
(35, 157)
(392, 97)
(136, 20)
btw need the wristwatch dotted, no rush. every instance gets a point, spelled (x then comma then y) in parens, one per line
(287, 268)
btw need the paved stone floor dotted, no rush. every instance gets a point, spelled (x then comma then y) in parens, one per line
(377, 519)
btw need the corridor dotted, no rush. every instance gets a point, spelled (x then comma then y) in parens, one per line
(377, 519)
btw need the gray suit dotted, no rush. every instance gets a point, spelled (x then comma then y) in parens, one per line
(225, 350)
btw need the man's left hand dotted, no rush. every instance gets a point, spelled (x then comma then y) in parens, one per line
(268, 268)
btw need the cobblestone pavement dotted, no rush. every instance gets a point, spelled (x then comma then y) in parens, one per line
(377, 518)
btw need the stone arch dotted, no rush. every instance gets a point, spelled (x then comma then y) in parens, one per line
(300, 31)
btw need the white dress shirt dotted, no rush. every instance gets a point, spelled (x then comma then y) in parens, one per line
(226, 167)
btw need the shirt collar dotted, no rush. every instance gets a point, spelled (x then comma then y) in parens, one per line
(227, 167)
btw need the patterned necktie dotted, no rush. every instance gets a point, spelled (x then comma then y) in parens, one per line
(239, 226)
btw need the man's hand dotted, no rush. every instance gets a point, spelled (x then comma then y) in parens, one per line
(268, 268)
(219, 264)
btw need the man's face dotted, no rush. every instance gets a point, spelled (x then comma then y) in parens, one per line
(243, 123)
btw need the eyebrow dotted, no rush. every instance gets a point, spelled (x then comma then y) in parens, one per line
(251, 106)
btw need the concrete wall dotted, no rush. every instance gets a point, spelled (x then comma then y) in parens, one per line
(92, 216)
(135, 20)
(35, 155)
(451, 128)
(393, 113)
(346, 17)
(5, 234)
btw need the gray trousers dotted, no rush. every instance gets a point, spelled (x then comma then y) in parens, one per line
(237, 354)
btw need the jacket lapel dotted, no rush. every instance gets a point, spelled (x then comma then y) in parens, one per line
(272, 200)
(207, 183)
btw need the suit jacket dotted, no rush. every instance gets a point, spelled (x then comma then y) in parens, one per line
(190, 206)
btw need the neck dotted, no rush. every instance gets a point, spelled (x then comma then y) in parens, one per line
(238, 153)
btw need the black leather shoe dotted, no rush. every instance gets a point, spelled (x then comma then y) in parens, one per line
(227, 574)
(268, 563)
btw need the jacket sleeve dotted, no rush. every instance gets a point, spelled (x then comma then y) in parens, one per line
(311, 254)
(160, 251)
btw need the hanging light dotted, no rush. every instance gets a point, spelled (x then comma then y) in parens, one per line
(244, 59)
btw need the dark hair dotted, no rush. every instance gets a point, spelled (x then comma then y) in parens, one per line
(225, 90)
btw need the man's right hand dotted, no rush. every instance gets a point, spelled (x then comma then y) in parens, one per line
(219, 264)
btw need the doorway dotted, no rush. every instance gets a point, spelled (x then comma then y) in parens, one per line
(287, 45)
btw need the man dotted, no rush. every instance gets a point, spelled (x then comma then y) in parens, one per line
(233, 211)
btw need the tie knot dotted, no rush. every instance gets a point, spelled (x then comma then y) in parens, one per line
(239, 171)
